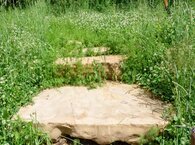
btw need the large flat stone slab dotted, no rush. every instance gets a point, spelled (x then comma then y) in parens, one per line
(110, 63)
(113, 112)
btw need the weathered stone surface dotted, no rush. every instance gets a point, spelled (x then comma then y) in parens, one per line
(111, 59)
(74, 42)
(113, 112)
(110, 63)
(96, 50)
(55, 134)
(61, 142)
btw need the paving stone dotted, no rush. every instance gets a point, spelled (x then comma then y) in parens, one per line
(110, 63)
(113, 112)
(96, 50)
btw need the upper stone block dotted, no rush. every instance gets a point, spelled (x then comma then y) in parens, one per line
(110, 63)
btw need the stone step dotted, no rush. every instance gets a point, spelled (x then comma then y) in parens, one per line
(110, 63)
(95, 50)
(113, 112)
(99, 50)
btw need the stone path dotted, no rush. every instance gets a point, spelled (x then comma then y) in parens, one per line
(107, 59)
(113, 112)
(110, 63)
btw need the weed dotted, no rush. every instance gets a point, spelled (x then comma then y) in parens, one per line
(160, 52)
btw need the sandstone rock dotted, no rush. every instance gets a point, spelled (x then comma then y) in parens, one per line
(74, 42)
(113, 112)
(110, 63)
(111, 59)
(96, 50)
(61, 142)
(55, 134)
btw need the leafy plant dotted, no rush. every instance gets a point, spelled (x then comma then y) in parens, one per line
(16, 3)
(159, 48)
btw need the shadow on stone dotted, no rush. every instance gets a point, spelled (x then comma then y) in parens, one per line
(70, 141)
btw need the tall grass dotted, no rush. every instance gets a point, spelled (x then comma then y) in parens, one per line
(25, 58)
(61, 6)
(16, 3)
(160, 50)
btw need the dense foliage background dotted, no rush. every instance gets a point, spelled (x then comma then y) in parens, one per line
(160, 50)
(16, 3)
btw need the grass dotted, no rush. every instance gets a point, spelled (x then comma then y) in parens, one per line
(160, 50)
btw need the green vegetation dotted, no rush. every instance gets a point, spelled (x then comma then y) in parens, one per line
(160, 50)
(16, 3)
